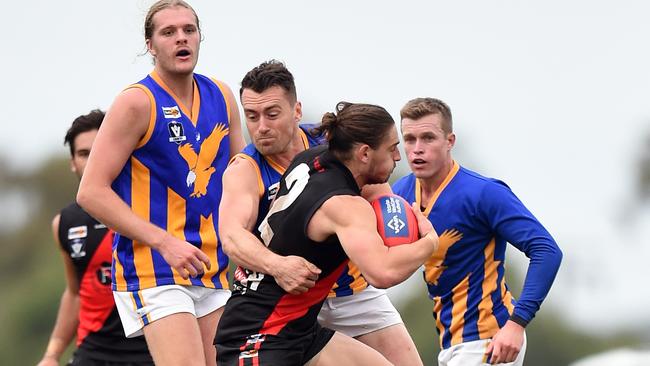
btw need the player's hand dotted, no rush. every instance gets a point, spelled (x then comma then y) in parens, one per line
(295, 274)
(184, 257)
(506, 343)
(424, 225)
(48, 361)
(425, 228)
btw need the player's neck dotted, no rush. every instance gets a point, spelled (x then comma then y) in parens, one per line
(182, 85)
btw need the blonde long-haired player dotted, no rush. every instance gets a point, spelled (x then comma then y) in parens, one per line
(154, 176)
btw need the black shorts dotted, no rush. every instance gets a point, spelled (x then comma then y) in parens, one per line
(82, 358)
(273, 350)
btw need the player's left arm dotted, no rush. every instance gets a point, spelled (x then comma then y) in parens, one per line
(511, 220)
(353, 221)
(67, 319)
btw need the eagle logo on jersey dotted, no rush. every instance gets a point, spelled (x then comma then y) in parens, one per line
(200, 165)
(433, 267)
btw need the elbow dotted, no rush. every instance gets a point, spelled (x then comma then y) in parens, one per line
(227, 246)
(225, 238)
(383, 280)
(83, 197)
(558, 255)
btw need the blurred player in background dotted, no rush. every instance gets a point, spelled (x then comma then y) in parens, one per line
(273, 115)
(154, 176)
(87, 307)
(319, 214)
(477, 318)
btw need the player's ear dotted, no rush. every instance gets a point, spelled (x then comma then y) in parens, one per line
(363, 153)
(150, 48)
(451, 140)
(73, 168)
(297, 111)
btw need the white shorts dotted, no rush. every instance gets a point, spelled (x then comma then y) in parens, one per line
(473, 354)
(362, 313)
(139, 308)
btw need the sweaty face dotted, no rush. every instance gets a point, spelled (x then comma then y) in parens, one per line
(174, 43)
(427, 147)
(384, 159)
(271, 119)
(82, 145)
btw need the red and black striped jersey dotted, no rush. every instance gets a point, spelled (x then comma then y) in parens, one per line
(258, 304)
(88, 243)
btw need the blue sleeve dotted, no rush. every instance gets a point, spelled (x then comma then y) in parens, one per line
(512, 221)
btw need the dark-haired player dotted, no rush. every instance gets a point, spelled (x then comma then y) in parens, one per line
(273, 115)
(87, 305)
(320, 215)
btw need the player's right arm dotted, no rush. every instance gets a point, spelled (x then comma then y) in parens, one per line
(237, 216)
(353, 220)
(67, 319)
(122, 129)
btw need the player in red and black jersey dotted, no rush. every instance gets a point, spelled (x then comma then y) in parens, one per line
(319, 215)
(87, 306)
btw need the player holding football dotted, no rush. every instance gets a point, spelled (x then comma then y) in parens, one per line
(273, 113)
(476, 316)
(319, 215)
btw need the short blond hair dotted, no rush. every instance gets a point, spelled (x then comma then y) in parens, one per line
(422, 107)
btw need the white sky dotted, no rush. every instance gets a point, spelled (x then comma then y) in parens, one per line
(551, 97)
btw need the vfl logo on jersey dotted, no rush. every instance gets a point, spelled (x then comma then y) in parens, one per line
(77, 247)
(77, 232)
(104, 273)
(200, 165)
(176, 132)
(397, 221)
(171, 112)
(273, 191)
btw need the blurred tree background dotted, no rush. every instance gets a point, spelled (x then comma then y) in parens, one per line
(33, 279)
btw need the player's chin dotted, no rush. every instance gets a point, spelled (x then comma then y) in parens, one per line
(185, 67)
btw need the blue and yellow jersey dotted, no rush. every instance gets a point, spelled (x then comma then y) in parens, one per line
(173, 180)
(475, 217)
(268, 176)
(349, 283)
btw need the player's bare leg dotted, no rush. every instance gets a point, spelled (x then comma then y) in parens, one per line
(208, 325)
(343, 350)
(394, 343)
(174, 340)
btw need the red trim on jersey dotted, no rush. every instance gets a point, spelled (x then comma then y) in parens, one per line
(317, 165)
(95, 298)
(291, 307)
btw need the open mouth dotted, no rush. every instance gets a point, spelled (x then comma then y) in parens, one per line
(183, 53)
(418, 162)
